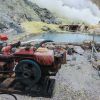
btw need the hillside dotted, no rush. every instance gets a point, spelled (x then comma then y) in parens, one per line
(97, 2)
(15, 12)
(17, 16)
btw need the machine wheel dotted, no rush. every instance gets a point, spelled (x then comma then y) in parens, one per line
(28, 72)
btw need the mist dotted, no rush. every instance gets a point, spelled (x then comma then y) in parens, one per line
(83, 10)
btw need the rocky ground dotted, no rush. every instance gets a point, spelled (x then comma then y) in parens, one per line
(77, 80)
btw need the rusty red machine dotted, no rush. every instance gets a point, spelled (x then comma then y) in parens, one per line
(28, 68)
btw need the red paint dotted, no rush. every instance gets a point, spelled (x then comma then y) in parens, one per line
(3, 37)
(6, 50)
(43, 58)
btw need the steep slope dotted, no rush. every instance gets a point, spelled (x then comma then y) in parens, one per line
(14, 12)
(97, 2)
(44, 14)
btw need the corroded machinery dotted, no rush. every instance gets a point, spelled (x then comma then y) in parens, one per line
(27, 68)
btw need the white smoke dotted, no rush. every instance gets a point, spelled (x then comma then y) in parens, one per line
(83, 10)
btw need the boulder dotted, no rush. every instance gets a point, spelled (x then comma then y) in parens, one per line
(78, 50)
(2, 26)
(45, 28)
(16, 27)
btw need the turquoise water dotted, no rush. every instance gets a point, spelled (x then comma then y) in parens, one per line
(65, 37)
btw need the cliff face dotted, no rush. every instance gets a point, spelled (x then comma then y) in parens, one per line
(14, 12)
(97, 2)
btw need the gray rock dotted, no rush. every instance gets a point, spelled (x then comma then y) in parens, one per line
(78, 49)
(44, 14)
(16, 27)
(45, 28)
(2, 26)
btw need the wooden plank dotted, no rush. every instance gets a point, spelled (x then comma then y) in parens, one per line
(10, 91)
(6, 83)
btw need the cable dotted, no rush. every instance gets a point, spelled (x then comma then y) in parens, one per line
(10, 95)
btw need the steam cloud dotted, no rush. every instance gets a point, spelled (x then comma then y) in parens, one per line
(83, 10)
